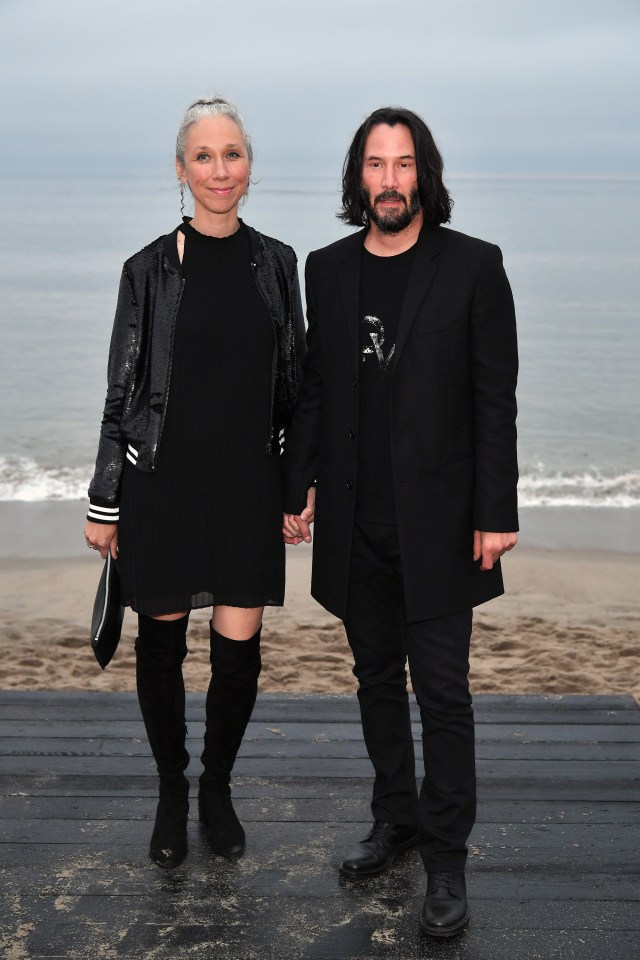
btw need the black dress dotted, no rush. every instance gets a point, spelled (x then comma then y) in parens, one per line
(205, 527)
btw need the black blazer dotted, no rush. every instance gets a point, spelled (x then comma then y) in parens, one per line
(453, 412)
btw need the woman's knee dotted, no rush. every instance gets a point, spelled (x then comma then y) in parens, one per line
(162, 642)
(169, 616)
(236, 663)
(237, 623)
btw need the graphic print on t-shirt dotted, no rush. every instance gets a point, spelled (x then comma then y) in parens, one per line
(373, 330)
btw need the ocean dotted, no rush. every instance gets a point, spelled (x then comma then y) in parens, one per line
(571, 251)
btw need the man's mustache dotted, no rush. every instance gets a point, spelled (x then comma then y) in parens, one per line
(390, 195)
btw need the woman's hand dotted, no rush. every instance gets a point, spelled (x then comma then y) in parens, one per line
(295, 527)
(102, 537)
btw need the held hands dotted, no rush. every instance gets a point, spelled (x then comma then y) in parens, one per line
(295, 527)
(489, 547)
(102, 537)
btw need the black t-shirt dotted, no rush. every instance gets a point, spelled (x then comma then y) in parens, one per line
(382, 285)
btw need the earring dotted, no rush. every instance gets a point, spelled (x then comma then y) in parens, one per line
(182, 198)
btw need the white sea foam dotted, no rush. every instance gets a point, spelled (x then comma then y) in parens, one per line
(588, 489)
(21, 478)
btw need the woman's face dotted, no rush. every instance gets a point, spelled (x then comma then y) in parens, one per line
(216, 165)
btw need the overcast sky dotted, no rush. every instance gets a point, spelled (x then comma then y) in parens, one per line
(92, 87)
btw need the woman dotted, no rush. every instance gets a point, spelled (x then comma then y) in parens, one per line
(203, 374)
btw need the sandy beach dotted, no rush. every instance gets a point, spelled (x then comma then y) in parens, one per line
(569, 623)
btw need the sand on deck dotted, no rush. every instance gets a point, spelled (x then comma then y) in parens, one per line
(569, 623)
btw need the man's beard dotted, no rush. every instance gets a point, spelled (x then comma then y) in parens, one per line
(393, 221)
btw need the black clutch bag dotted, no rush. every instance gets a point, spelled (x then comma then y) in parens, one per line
(106, 622)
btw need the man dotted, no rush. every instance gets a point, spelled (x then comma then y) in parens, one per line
(405, 426)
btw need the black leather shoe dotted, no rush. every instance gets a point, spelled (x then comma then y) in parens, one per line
(379, 849)
(168, 846)
(225, 833)
(445, 911)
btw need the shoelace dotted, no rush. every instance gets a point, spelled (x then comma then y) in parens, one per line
(379, 830)
(442, 880)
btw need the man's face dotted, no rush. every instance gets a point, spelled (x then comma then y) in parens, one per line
(389, 178)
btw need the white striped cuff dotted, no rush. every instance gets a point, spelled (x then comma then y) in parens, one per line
(103, 514)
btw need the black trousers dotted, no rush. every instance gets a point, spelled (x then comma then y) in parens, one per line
(438, 655)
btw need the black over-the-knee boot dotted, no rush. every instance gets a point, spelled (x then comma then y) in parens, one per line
(160, 649)
(235, 667)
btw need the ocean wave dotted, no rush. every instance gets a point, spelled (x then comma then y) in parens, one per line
(21, 478)
(587, 489)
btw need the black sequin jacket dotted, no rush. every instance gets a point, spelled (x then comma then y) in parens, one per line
(139, 369)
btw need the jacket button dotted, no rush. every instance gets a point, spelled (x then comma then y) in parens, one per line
(352, 434)
(355, 382)
(349, 485)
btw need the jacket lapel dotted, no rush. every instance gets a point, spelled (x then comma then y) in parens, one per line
(423, 270)
(348, 275)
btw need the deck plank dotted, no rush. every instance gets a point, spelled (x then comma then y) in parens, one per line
(308, 809)
(487, 732)
(553, 869)
(315, 749)
(323, 708)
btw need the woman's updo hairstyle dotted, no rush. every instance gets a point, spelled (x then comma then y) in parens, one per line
(210, 107)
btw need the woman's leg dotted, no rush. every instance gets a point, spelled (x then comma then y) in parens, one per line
(160, 650)
(235, 667)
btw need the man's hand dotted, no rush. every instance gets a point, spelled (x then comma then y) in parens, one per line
(102, 537)
(295, 527)
(489, 547)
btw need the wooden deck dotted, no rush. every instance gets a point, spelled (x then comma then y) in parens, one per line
(553, 871)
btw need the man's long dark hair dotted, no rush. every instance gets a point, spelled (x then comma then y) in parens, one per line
(434, 196)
